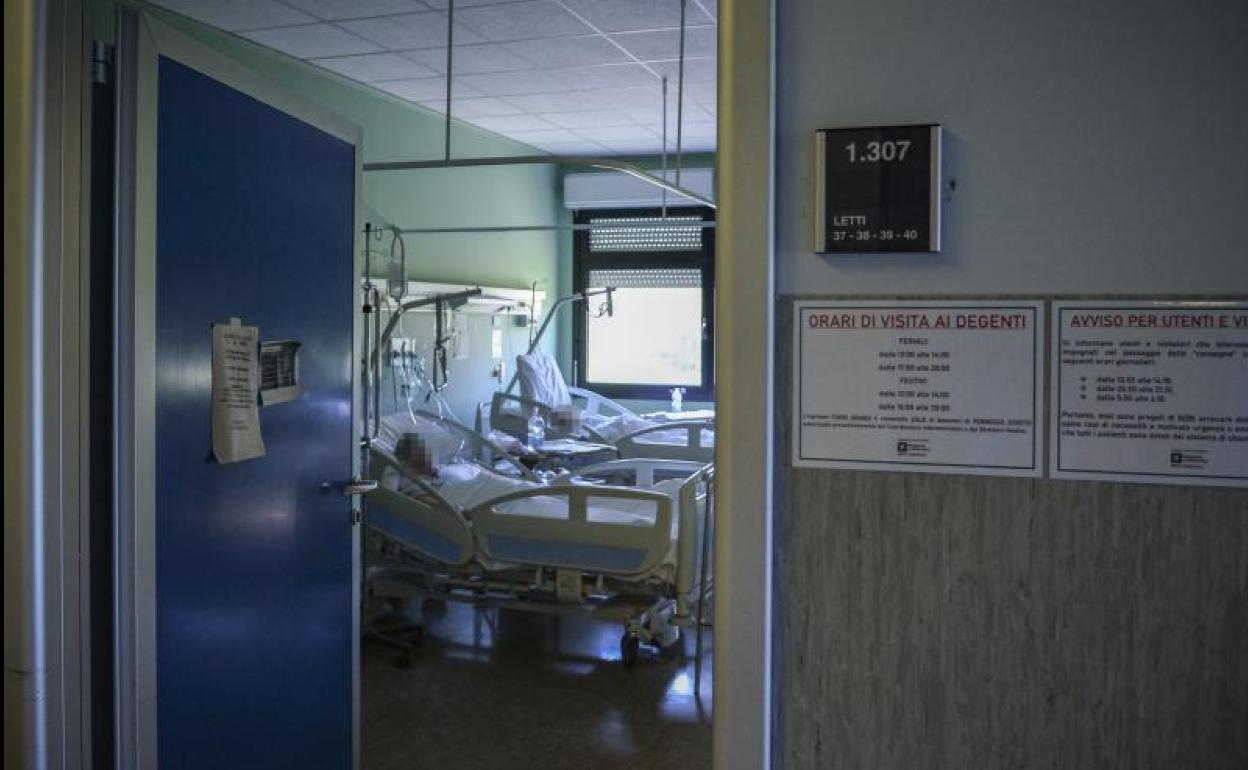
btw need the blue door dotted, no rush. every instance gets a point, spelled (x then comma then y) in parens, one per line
(254, 648)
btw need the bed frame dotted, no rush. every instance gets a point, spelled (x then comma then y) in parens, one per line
(423, 547)
(698, 444)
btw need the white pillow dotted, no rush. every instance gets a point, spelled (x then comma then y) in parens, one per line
(541, 380)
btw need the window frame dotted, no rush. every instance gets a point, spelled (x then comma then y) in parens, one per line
(583, 261)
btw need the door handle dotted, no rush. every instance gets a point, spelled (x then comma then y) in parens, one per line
(358, 487)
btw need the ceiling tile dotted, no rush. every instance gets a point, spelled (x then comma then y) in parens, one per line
(610, 76)
(442, 4)
(509, 123)
(695, 135)
(569, 51)
(311, 40)
(700, 70)
(423, 89)
(582, 147)
(411, 30)
(665, 44)
(515, 83)
(652, 114)
(552, 102)
(628, 15)
(701, 145)
(633, 147)
(470, 59)
(617, 134)
(544, 136)
(703, 92)
(357, 9)
(474, 108)
(638, 97)
(237, 15)
(522, 21)
(588, 119)
(372, 67)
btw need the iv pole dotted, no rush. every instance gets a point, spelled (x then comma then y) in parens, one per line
(550, 316)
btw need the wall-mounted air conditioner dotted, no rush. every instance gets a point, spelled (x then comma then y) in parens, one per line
(605, 190)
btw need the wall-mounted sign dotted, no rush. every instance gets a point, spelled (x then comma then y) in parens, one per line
(279, 372)
(1150, 392)
(938, 387)
(877, 189)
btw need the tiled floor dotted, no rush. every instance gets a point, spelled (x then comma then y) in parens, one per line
(511, 689)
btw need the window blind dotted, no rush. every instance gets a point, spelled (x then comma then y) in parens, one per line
(646, 278)
(646, 234)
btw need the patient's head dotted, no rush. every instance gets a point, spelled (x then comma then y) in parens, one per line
(414, 452)
(566, 419)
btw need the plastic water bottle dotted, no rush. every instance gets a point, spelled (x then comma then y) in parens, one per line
(537, 429)
(678, 399)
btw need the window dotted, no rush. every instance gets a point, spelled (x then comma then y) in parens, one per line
(660, 334)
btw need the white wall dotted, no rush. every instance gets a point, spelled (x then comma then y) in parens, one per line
(1098, 147)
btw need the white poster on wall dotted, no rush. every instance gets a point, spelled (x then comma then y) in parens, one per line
(1150, 392)
(937, 387)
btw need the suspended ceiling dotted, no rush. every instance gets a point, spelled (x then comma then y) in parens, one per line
(576, 77)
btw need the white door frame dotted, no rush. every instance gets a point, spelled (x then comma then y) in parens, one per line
(744, 319)
(149, 38)
(46, 259)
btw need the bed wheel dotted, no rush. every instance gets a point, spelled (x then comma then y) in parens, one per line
(630, 645)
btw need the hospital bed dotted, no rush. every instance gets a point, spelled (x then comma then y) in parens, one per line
(570, 411)
(624, 540)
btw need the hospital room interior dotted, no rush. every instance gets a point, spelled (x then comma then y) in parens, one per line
(538, 393)
(647, 384)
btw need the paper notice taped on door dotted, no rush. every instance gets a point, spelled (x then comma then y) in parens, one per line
(235, 384)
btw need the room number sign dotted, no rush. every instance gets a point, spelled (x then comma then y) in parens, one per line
(877, 190)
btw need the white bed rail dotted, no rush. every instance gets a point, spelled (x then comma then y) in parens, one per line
(697, 441)
(412, 520)
(505, 533)
(596, 403)
(694, 513)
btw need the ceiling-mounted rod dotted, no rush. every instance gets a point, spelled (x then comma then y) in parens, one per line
(557, 160)
(664, 118)
(704, 225)
(680, 94)
(450, 70)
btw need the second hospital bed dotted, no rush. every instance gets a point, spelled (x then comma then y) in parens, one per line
(570, 411)
(625, 540)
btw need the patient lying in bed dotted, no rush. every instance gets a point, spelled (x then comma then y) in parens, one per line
(428, 450)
